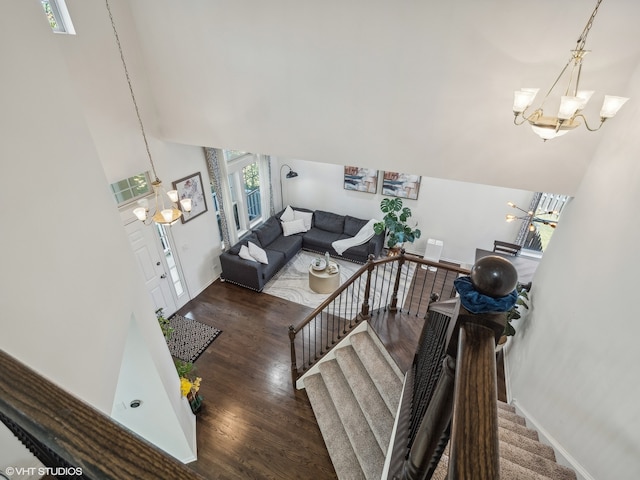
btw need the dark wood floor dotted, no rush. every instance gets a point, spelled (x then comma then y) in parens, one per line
(254, 425)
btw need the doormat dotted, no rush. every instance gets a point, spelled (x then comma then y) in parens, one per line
(190, 338)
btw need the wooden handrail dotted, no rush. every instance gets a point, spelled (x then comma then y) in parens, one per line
(474, 446)
(78, 433)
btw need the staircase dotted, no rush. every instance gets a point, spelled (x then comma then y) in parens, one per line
(355, 398)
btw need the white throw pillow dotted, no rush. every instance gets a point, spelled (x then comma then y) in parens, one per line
(305, 216)
(294, 226)
(287, 215)
(258, 253)
(244, 253)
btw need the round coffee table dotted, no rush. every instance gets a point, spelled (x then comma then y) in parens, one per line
(323, 281)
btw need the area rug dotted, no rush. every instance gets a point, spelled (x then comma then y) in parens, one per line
(292, 282)
(190, 338)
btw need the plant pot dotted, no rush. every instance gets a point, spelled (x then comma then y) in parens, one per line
(394, 251)
(195, 402)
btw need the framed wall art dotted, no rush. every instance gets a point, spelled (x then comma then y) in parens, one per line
(361, 179)
(191, 187)
(401, 185)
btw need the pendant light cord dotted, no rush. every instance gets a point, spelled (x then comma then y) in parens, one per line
(133, 97)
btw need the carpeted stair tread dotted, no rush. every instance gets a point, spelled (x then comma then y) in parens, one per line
(363, 441)
(534, 462)
(526, 443)
(387, 381)
(508, 471)
(512, 417)
(517, 428)
(373, 407)
(512, 471)
(335, 437)
(506, 406)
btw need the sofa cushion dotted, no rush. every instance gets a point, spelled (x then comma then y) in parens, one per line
(258, 253)
(319, 240)
(287, 214)
(268, 231)
(353, 225)
(235, 250)
(244, 253)
(276, 262)
(292, 227)
(328, 221)
(287, 245)
(306, 217)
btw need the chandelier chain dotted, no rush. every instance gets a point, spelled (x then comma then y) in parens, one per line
(583, 36)
(133, 97)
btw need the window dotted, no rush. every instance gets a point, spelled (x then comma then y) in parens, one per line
(129, 189)
(171, 261)
(245, 172)
(58, 16)
(548, 208)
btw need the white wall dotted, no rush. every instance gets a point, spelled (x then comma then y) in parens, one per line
(96, 70)
(572, 364)
(464, 216)
(197, 241)
(70, 284)
(426, 86)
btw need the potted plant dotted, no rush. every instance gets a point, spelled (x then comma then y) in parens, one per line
(395, 223)
(189, 384)
(514, 313)
(165, 325)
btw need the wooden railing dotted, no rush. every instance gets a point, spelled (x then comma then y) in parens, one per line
(453, 398)
(404, 283)
(68, 435)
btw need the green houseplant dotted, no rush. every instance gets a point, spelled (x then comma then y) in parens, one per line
(395, 223)
(514, 313)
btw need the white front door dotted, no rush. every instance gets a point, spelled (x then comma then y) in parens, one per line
(149, 256)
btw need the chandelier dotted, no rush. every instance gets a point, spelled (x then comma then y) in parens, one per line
(572, 101)
(532, 217)
(165, 213)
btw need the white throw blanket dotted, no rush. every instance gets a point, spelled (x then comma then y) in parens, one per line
(364, 235)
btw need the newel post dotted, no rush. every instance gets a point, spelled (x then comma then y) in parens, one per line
(364, 313)
(294, 363)
(486, 297)
(463, 408)
(393, 307)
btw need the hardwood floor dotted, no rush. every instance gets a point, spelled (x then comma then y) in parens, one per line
(253, 424)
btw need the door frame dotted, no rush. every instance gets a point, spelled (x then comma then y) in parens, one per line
(128, 217)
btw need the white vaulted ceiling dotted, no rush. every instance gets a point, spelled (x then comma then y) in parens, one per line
(425, 86)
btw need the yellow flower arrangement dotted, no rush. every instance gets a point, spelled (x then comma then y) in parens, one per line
(187, 386)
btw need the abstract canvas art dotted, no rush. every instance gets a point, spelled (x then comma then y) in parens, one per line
(361, 179)
(401, 185)
(191, 187)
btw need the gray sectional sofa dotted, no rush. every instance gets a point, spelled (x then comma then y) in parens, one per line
(325, 228)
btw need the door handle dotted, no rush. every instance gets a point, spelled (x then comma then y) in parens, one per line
(164, 275)
(158, 264)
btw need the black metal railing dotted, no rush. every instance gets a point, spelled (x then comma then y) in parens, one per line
(403, 283)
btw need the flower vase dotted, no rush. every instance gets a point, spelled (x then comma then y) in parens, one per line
(195, 402)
